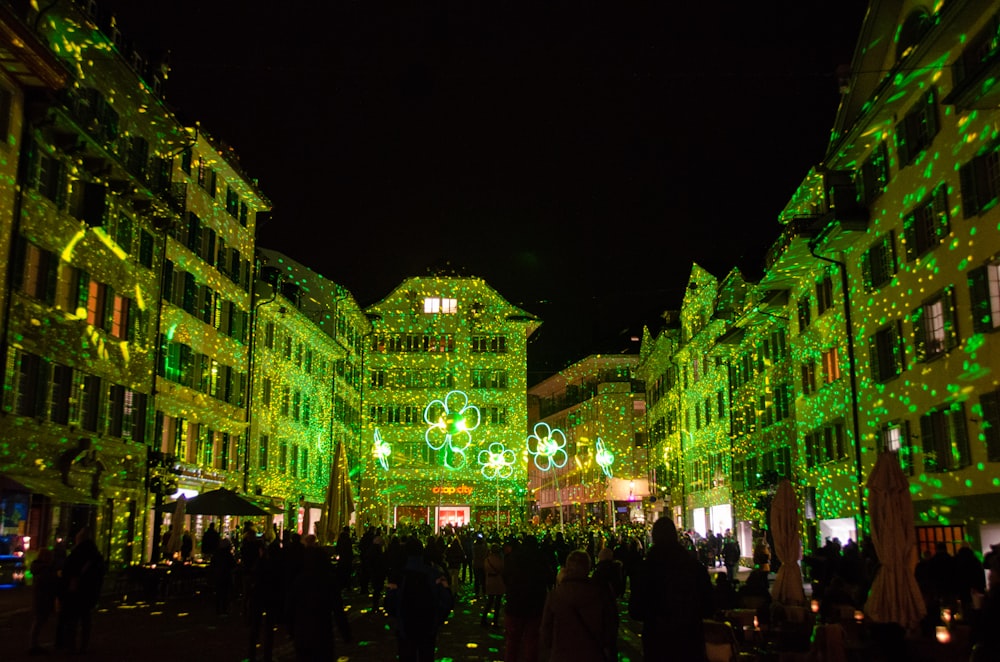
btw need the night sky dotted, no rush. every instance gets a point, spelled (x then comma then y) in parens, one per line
(577, 156)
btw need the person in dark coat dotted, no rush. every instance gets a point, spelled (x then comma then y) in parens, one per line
(377, 569)
(314, 606)
(731, 555)
(671, 598)
(345, 557)
(44, 573)
(579, 621)
(610, 571)
(221, 569)
(525, 576)
(495, 588)
(79, 589)
(420, 600)
(210, 541)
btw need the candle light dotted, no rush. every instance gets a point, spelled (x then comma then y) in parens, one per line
(756, 623)
(859, 615)
(946, 616)
(814, 605)
(942, 634)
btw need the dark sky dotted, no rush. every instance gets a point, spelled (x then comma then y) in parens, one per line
(578, 156)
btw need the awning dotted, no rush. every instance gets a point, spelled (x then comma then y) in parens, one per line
(49, 486)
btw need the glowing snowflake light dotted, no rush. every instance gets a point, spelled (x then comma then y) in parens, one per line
(547, 446)
(450, 423)
(604, 457)
(497, 461)
(382, 450)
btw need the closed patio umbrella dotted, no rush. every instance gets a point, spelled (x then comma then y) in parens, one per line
(787, 589)
(894, 596)
(176, 527)
(221, 502)
(339, 503)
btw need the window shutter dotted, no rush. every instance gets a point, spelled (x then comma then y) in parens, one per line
(866, 268)
(108, 319)
(970, 196)
(166, 288)
(94, 204)
(931, 461)
(931, 116)
(941, 226)
(910, 236)
(873, 358)
(990, 404)
(919, 334)
(902, 143)
(959, 435)
(898, 350)
(950, 317)
(979, 292)
(50, 271)
(82, 291)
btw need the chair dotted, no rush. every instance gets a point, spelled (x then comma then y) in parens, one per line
(721, 644)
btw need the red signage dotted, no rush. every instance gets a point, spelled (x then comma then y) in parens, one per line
(449, 489)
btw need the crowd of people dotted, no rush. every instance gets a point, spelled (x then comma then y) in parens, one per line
(557, 592)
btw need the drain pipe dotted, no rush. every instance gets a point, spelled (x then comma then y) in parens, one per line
(852, 373)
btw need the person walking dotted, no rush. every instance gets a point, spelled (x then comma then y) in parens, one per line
(731, 555)
(314, 607)
(454, 556)
(79, 589)
(579, 620)
(479, 552)
(221, 569)
(671, 597)
(44, 573)
(420, 600)
(526, 579)
(209, 541)
(495, 588)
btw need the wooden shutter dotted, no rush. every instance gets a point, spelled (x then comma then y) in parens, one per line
(919, 333)
(931, 461)
(990, 425)
(979, 292)
(950, 317)
(970, 194)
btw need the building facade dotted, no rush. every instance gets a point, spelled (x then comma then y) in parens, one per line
(305, 397)
(445, 382)
(600, 407)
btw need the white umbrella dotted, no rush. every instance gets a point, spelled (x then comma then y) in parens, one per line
(787, 589)
(894, 596)
(177, 527)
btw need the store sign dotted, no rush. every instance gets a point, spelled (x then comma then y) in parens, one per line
(450, 489)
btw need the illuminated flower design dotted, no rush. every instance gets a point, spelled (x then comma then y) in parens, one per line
(497, 461)
(547, 446)
(450, 423)
(604, 457)
(382, 450)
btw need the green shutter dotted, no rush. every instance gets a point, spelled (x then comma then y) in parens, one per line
(931, 462)
(902, 143)
(959, 435)
(940, 207)
(990, 404)
(910, 236)
(898, 349)
(979, 292)
(970, 196)
(919, 335)
(950, 317)
(873, 358)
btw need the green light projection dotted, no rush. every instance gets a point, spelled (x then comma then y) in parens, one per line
(604, 457)
(547, 447)
(496, 461)
(450, 423)
(382, 450)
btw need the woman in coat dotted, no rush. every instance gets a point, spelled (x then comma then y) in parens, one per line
(580, 622)
(494, 584)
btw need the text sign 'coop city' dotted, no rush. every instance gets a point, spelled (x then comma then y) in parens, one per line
(450, 489)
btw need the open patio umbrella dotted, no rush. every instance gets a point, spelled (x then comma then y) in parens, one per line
(894, 596)
(176, 527)
(221, 502)
(339, 504)
(787, 589)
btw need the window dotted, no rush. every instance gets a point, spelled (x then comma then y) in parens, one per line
(6, 107)
(60, 393)
(39, 273)
(31, 384)
(120, 321)
(989, 404)
(269, 335)
(47, 175)
(885, 352)
(895, 436)
(232, 202)
(90, 412)
(808, 378)
(262, 453)
(980, 182)
(927, 225)
(434, 305)
(804, 313)
(984, 290)
(489, 344)
(934, 329)
(831, 365)
(878, 264)
(266, 392)
(487, 378)
(944, 438)
(915, 132)
(824, 294)
(873, 176)
(826, 444)
(782, 401)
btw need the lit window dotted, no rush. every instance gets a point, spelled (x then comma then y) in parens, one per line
(434, 305)
(831, 365)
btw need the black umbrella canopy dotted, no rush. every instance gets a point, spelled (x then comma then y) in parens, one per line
(220, 502)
